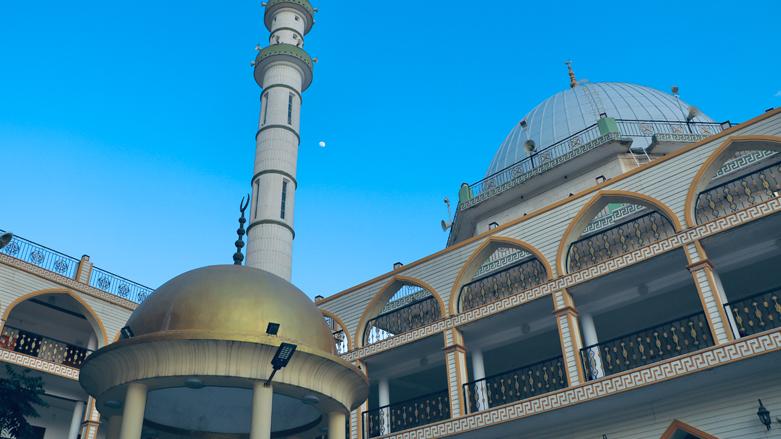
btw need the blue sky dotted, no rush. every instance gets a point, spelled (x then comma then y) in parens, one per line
(127, 128)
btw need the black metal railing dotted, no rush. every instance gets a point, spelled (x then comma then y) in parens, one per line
(517, 384)
(45, 348)
(758, 313)
(657, 343)
(402, 320)
(647, 128)
(738, 193)
(404, 415)
(118, 285)
(617, 240)
(501, 284)
(41, 256)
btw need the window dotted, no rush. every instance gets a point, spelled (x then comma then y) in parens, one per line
(290, 109)
(265, 110)
(284, 198)
(257, 185)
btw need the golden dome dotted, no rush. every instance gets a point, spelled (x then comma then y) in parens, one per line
(231, 302)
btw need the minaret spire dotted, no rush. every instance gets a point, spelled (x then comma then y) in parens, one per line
(238, 257)
(572, 81)
(283, 70)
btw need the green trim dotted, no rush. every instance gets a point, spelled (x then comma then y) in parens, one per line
(285, 50)
(271, 221)
(283, 86)
(284, 127)
(273, 171)
(290, 29)
(306, 5)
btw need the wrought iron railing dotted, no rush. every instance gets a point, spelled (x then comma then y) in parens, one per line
(617, 240)
(45, 348)
(501, 284)
(404, 415)
(404, 296)
(739, 193)
(517, 384)
(41, 256)
(650, 345)
(118, 285)
(758, 313)
(402, 320)
(647, 128)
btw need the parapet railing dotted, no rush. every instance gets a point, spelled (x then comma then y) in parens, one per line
(404, 415)
(45, 348)
(501, 284)
(41, 256)
(402, 320)
(118, 285)
(754, 314)
(647, 128)
(738, 193)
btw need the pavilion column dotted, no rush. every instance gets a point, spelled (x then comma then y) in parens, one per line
(91, 421)
(478, 374)
(357, 427)
(260, 424)
(336, 422)
(711, 293)
(455, 357)
(595, 368)
(78, 414)
(384, 400)
(114, 425)
(133, 414)
(569, 334)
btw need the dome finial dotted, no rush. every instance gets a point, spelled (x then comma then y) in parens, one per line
(238, 257)
(572, 81)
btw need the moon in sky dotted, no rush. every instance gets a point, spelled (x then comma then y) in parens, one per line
(322, 144)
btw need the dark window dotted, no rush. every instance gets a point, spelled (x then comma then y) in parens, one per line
(265, 110)
(284, 198)
(290, 109)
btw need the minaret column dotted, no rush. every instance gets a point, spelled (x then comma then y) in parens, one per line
(283, 70)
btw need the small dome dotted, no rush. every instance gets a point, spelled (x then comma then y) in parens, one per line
(227, 301)
(575, 109)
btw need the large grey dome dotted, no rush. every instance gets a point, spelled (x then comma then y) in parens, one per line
(575, 109)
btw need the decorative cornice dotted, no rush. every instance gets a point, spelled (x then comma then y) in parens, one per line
(273, 171)
(284, 127)
(700, 265)
(565, 310)
(271, 221)
(298, 93)
(39, 364)
(454, 348)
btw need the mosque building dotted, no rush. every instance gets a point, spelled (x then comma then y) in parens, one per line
(613, 275)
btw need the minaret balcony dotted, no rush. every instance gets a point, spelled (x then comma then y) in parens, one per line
(284, 53)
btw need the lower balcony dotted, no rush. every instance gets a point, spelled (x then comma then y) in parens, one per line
(45, 348)
(408, 414)
(758, 313)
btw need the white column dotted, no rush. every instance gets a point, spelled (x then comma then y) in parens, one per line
(260, 424)
(336, 422)
(133, 414)
(723, 295)
(78, 415)
(114, 425)
(384, 400)
(478, 374)
(590, 338)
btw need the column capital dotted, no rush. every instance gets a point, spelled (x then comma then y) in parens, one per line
(700, 265)
(565, 310)
(454, 348)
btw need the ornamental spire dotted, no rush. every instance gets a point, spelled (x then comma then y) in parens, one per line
(572, 81)
(238, 257)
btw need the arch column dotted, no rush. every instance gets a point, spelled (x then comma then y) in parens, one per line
(383, 393)
(590, 338)
(89, 428)
(478, 374)
(569, 333)
(710, 291)
(78, 414)
(455, 357)
(114, 426)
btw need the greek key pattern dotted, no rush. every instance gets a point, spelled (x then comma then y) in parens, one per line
(512, 258)
(542, 168)
(745, 160)
(664, 245)
(672, 137)
(63, 280)
(704, 359)
(609, 220)
(39, 364)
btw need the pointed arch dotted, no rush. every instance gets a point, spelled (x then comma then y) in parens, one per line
(717, 159)
(87, 311)
(678, 425)
(481, 254)
(341, 324)
(381, 298)
(597, 203)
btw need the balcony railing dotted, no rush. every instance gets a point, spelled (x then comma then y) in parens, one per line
(657, 343)
(402, 320)
(404, 415)
(515, 385)
(341, 341)
(647, 128)
(502, 284)
(45, 348)
(118, 285)
(41, 256)
(617, 240)
(758, 313)
(738, 193)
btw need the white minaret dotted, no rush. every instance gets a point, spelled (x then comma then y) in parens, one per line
(283, 70)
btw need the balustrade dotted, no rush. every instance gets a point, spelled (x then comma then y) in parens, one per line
(501, 284)
(758, 313)
(619, 239)
(45, 348)
(41, 256)
(738, 193)
(650, 345)
(118, 285)
(517, 384)
(402, 320)
(404, 415)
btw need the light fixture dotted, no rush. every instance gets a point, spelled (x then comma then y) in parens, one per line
(5, 239)
(272, 328)
(674, 89)
(493, 225)
(397, 265)
(281, 358)
(310, 399)
(764, 415)
(126, 332)
(726, 125)
(112, 404)
(523, 123)
(193, 383)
